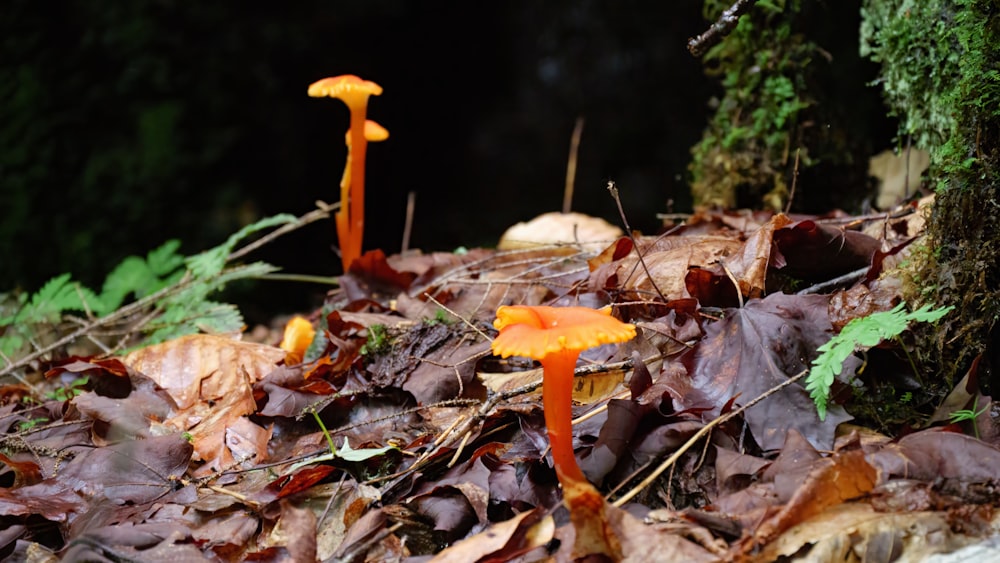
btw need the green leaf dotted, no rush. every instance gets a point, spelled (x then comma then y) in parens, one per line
(135, 275)
(346, 453)
(130, 275)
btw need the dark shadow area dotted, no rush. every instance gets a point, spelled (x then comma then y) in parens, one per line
(126, 124)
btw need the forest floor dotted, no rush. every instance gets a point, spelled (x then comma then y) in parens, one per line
(382, 428)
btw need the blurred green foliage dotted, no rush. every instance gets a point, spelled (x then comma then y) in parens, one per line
(789, 87)
(763, 65)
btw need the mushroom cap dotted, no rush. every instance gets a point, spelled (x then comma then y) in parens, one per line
(352, 90)
(535, 332)
(373, 133)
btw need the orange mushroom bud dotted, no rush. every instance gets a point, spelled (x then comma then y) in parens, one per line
(299, 334)
(555, 336)
(354, 92)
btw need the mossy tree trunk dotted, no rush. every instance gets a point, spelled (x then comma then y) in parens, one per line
(941, 76)
(795, 96)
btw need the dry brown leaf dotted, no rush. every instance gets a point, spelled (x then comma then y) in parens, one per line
(855, 532)
(667, 262)
(211, 379)
(203, 367)
(588, 388)
(749, 264)
(831, 481)
(503, 541)
(640, 542)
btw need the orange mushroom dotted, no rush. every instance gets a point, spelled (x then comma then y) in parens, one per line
(555, 336)
(374, 133)
(298, 335)
(354, 92)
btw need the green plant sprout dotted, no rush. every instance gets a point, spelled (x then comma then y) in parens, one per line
(26, 425)
(377, 342)
(346, 452)
(963, 415)
(859, 334)
(67, 393)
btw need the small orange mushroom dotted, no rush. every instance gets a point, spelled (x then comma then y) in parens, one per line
(555, 336)
(298, 335)
(354, 92)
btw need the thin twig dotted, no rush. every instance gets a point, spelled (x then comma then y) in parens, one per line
(574, 150)
(721, 28)
(467, 322)
(613, 188)
(848, 277)
(670, 461)
(411, 205)
(322, 212)
(795, 177)
(302, 278)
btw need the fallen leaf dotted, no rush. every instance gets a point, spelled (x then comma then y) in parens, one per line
(752, 350)
(502, 542)
(211, 380)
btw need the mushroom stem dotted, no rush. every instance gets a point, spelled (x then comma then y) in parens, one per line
(355, 208)
(354, 92)
(585, 503)
(557, 400)
(556, 336)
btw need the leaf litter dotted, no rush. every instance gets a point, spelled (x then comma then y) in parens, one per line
(396, 436)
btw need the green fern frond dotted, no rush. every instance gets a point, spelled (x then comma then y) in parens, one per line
(860, 334)
(210, 262)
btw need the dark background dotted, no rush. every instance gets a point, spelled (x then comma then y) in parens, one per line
(124, 124)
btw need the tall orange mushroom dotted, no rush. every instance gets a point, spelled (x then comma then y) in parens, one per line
(555, 336)
(373, 133)
(354, 92)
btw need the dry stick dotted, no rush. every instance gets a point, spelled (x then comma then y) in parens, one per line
(721, 28)
(467, 322)
(628, 230)
(736, 284)
(574, 150)
(322, 212)
(459, 449)
(411, 205)
(670, 461)
(795, 177)
(329, 503)
(906, 177)
(848, 277)
(355, 552)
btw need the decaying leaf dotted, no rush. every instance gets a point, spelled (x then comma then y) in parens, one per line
(211, 381)
(754, 349)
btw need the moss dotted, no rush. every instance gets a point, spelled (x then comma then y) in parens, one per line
(744, 153)
(939, 72)
(941, 76)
